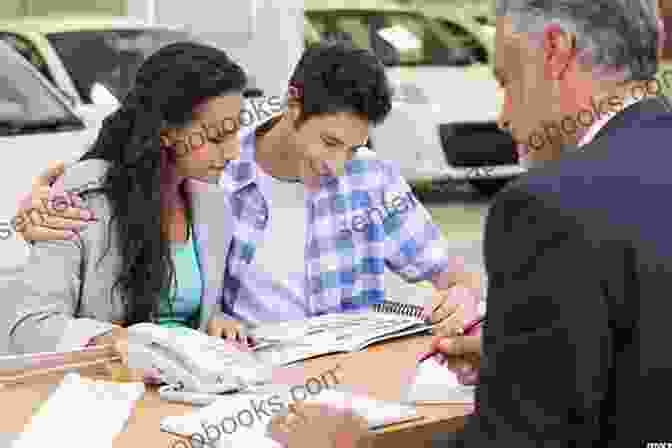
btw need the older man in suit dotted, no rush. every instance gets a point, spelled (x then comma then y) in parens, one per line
(578, 252)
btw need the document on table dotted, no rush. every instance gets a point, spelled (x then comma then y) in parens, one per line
(331, 333)
(242, 420)
(435, 383)
(81, 413)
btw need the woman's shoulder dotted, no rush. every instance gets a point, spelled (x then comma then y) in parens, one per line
(82, 176)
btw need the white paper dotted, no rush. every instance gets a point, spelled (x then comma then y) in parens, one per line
(377, 413)
(206, 423)
(80, 413)
(434, 382)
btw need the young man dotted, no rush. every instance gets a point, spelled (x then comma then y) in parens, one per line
(314, 222)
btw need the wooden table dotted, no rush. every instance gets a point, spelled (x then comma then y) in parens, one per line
(383, 371)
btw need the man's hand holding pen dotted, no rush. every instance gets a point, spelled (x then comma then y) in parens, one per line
(461, 354)
(455, 304)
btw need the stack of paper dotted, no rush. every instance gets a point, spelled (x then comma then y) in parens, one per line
(81, 413)
(242, 420)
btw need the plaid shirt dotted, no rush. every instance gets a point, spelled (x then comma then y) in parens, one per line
(358, 224)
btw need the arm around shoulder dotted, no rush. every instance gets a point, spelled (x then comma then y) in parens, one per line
(42, 299)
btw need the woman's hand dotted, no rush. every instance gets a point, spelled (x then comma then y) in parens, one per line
(229, 328)
(45, 215)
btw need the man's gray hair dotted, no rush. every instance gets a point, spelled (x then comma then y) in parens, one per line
(619, 35)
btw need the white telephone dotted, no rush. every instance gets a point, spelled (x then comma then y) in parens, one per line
(193, 362)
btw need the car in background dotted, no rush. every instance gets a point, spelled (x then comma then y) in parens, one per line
(469, 20)
(443, 123)
(88, 57)
(37, 125)
(479, 15)
(93, 60)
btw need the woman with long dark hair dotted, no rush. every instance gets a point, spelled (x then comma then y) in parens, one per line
(157, 251)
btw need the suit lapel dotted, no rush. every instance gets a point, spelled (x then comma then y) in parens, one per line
(627, 118)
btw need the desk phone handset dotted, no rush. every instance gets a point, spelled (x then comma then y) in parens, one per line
(192, 361)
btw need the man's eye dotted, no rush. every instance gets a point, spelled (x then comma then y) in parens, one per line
(330, 144)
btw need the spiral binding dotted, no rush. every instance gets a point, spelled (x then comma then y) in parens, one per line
(403, 309)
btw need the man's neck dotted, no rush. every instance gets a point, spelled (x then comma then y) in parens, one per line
(275, 154)
(601, 107)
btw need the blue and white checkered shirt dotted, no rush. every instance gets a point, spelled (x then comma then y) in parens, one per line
(358, 224)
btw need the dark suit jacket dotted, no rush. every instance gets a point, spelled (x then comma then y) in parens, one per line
(579, 258)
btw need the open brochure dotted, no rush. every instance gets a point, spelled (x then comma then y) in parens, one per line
(331, 333)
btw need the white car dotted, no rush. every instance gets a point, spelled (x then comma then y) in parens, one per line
(37, 125)
(87, 58)
(93, 60)
(443, 122)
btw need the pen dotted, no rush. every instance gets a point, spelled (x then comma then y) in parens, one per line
(466, 331)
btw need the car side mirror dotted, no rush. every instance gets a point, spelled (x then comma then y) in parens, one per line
(101, 95)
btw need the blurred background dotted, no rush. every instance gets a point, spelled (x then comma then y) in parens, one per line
(67, 63)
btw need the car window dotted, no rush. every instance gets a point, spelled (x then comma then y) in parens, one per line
(310, 34)
(26, 49)
(109, 57)
(356, 28)
(398, 38)
(459, 36)
(25, 99)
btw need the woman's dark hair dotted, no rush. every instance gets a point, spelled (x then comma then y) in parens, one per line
(167, 87)
(338, 77)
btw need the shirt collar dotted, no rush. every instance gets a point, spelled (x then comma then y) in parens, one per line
(602, 122)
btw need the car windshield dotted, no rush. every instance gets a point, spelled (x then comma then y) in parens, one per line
(26, 103)
(110, 57)
(398, 38)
